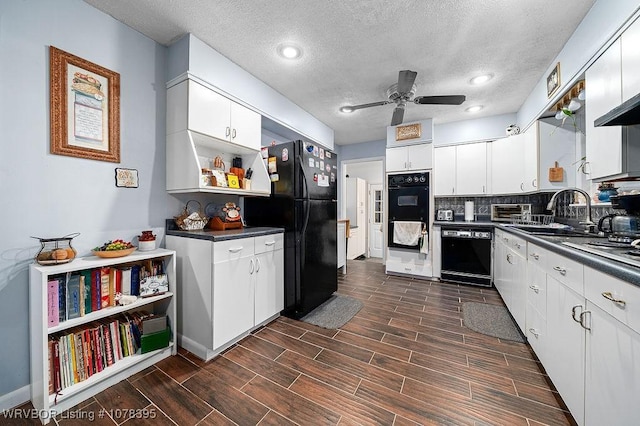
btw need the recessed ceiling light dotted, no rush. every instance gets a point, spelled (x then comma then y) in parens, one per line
(289, 51)
(481, 79)
(346, 109)
(474, 108)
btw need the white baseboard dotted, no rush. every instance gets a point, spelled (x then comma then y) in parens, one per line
(15, 398)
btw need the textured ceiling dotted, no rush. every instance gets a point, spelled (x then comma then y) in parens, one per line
(353, 49)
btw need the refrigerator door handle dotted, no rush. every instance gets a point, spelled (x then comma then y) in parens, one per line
(307, 198)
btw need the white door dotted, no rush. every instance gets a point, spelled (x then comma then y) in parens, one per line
(445, 170)
(471, 169)
(376, 210)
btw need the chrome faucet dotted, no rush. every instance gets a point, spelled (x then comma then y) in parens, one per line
(588, 222)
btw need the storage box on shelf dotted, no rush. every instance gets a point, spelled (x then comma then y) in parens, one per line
(93, 375)
(202, 125)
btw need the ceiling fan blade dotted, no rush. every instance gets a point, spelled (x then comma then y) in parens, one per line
(398, 115)
(406, 79)
(372, 104)
(443, 100)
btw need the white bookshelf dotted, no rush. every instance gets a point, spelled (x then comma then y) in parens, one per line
(40, 331)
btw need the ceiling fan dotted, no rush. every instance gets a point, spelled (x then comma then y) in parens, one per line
(402, 92)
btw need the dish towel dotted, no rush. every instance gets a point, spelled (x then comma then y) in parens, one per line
(407, 233)
(424, 241)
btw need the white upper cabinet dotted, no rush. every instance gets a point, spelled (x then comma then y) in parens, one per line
(461, 169)
(630, 41)
(409, 157)
(604, 92)
(551, 143)
(444, 174)
(192, 106)
(507, 171)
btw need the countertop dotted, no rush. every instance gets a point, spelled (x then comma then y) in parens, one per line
(617, 269)
(463, 224)
(232, 234)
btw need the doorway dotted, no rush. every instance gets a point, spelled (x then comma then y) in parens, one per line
(376, 220)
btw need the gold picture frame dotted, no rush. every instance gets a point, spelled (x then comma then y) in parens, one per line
(553, 80)
(410, 131)
(85, 108)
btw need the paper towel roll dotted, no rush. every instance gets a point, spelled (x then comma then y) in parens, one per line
(468, 211)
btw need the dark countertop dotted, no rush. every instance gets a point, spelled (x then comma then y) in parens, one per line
(462, 224)
(617, 269)
(232, 234)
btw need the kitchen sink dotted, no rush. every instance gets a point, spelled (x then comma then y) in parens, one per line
(545, 230)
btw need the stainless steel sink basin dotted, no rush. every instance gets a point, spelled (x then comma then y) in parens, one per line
(545, 230)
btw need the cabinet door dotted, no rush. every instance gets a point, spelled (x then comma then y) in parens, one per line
(604, 144)
(233, 298)
(209, 112)
(557, 143)
(565, 349)
(420, 157)
(500, 266)
(396, 160)
(518, 282)
(445, 170)
(245, 127)
(612, 371)
(269, 287)
(630, 40)
(506, 165)
(529, 160)
(471, 169)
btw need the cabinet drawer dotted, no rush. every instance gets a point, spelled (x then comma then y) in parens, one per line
(537, 256)
(537, 288)
(536, 330)
(267, 243)
(567, 271)
(518, 245)
(232, 249)
(600, 288)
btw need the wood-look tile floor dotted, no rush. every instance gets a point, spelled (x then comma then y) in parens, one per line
(404, 359)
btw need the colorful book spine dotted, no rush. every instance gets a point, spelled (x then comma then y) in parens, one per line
(126, 280)
(57, 384)
(53, 304)
(51, 371)
(79, 348)
(88, 296)
(73, 365)
(104, 288)
(108, 346)
(135, 280)
(62, 299)
(73, 297)
(96, 286)
(82, 313)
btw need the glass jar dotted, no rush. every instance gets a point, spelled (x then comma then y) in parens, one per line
(56, 251)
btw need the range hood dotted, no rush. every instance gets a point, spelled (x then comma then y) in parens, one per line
(626, 114)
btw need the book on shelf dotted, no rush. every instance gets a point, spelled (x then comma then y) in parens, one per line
(126, 280)
(88, 296)
(53, 304)
(56, 366)
(73, 296)
(50, 362)
(81, 292)
(135, 280)
(96, 287)
(104, 287)
(62, 296)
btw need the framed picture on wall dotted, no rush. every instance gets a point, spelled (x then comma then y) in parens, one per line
(553, 80)
(85, 108)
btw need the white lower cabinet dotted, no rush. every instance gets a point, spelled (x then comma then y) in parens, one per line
(230, 287)
(510, 274)
(584, 326)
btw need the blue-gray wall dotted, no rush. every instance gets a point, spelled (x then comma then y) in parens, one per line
(49, 195)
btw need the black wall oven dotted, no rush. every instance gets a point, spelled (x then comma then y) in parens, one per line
(408, 200)
(466, 255)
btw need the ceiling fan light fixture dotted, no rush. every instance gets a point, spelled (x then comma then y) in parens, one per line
(289, 51)
(481, 79)
(474, 108)
(346, 109)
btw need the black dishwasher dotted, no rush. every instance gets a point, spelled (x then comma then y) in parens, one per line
(466, 255)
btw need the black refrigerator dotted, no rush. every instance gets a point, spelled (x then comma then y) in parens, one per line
(303, 201)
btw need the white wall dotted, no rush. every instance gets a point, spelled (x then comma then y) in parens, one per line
(479, 129)
(239, 85)
(48, 195)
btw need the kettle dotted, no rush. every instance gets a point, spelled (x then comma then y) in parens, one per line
(619, 224)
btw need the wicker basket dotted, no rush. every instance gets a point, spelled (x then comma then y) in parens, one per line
(190, 220)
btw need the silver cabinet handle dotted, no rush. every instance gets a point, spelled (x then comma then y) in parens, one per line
(505, 239)
(583, 320)
(269, 243)
(533, 331)
(521, 186)
(227, 131)
(535, 256)
(609, 295)
(453, 189)
(534, 182)
(560, 269)
(251, 266)
(483, 190)
(233, 134)
(573, 313)
(236, 249)
(257, 265)
(535, 288)
(518, 246)
(509, 258)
